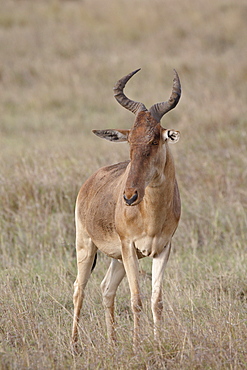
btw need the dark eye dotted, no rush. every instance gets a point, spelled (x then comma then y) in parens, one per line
(155, 142)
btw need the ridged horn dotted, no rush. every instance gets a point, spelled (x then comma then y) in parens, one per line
(158, 110)
(122, 99)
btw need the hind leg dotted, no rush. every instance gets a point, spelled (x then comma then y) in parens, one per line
(85, 251)
(109, 286)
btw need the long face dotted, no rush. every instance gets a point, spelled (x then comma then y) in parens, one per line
(146, 153)
(148, 145)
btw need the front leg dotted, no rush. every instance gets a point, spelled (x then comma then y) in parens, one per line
(158, 268)
(131, 266)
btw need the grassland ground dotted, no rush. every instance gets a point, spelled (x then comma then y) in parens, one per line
(59, 63)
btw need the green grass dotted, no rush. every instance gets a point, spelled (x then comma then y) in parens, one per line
(59, 63)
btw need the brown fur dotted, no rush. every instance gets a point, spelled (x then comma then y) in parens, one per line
(128, 211)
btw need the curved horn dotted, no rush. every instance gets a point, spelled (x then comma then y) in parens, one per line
(131, 105)
(158, 110)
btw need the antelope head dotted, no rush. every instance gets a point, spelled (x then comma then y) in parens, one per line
(147, 139)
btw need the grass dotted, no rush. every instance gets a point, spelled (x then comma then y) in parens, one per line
(59, 63)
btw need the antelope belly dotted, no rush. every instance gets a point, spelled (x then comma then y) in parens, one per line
(112, 248)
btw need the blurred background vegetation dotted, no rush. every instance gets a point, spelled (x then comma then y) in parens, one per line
(59, 62)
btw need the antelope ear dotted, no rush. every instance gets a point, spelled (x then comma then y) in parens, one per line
(171, 135)
(113, 135)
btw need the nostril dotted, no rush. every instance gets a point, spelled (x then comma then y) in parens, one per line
(131, 200)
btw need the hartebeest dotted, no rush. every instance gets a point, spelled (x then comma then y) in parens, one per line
(130, 210)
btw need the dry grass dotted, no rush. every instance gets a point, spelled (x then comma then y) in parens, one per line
(59, 62)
